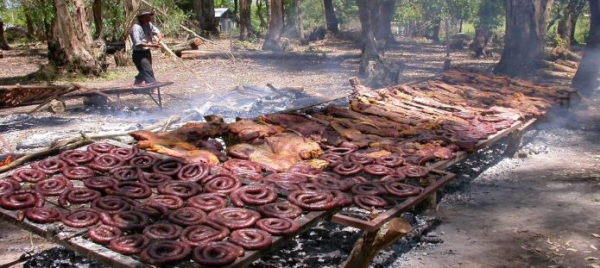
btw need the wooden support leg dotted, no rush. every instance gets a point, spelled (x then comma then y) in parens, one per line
(367, 247)
(159, 98)
(514, 143)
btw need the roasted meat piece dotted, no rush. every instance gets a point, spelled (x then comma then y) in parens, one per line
(263, 155)
(194, 132)
(288, 143)
(249, 131)
(165, 143)
(307, 127)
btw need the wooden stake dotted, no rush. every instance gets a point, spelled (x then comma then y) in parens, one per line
(367, 247)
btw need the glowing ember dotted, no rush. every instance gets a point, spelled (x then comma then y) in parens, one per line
(6, 159)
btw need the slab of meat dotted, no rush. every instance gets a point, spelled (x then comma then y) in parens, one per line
(263, 155)
(194, 132)
(288, 143)
(363, 126)
(164, 143)
(298, 123)
(249, 131)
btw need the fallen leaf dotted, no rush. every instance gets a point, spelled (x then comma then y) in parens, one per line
(593, 266)
(594, 247)
(572, 249)
(596, 235)
(591, 259)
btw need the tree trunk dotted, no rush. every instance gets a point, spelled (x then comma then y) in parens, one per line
(572, 40)
(301, 22)
(480, 42)
(567, 22)
(204, 11)
(586, 78)
(131, 10)
(28, 20)
(82, 28)
(3, 44)
(268, 5)
(293, 26)
(97, 12)
(365, 8)
(330, 17)
(246, 29)
(123, 58)
(275, 27)
(191, 44)
(69, 46)
(525, 34)
(387, 9)
(259, 13)
(435, 30)
(236, 11)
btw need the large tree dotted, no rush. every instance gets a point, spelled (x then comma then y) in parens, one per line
(568, 21)
(294, 27)
(586, 78)
(3, 44)
(259, 13)
(204, 11)
(372, 68)
(387, 9)
(330, 16)
(275, 27)
(489, 16)
(246, 29)
(525, 34)
(367, 12)
(70, 45)
(97, 13)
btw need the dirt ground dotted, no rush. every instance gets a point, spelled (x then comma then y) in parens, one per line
(536, 211)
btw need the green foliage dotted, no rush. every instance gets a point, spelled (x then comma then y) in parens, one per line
(490, 14)
(170, 24)
(554, 40)
(346, 11)
(113, 19)
(409, 12)
(462, 10)
(582, 29)
(313, 14)
(13, 15)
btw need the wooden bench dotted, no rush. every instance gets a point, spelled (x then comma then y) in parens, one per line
(23, 95)
(149, 90)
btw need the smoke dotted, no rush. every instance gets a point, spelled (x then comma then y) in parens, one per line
(250, 101)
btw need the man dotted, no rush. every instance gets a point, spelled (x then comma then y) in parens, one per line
(142, 34)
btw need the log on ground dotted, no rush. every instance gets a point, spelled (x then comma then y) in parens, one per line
(191, 44)
(198, 54)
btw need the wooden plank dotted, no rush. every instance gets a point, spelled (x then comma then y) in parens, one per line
(102, 254)
(444, 164)
(381, 219)
(52, 232)
(496, 137)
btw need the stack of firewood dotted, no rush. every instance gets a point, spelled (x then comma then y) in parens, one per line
(560, 63)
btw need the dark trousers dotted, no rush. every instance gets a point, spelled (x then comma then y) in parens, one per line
(143, 62)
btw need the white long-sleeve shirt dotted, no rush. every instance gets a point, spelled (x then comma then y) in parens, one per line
(142, 34)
